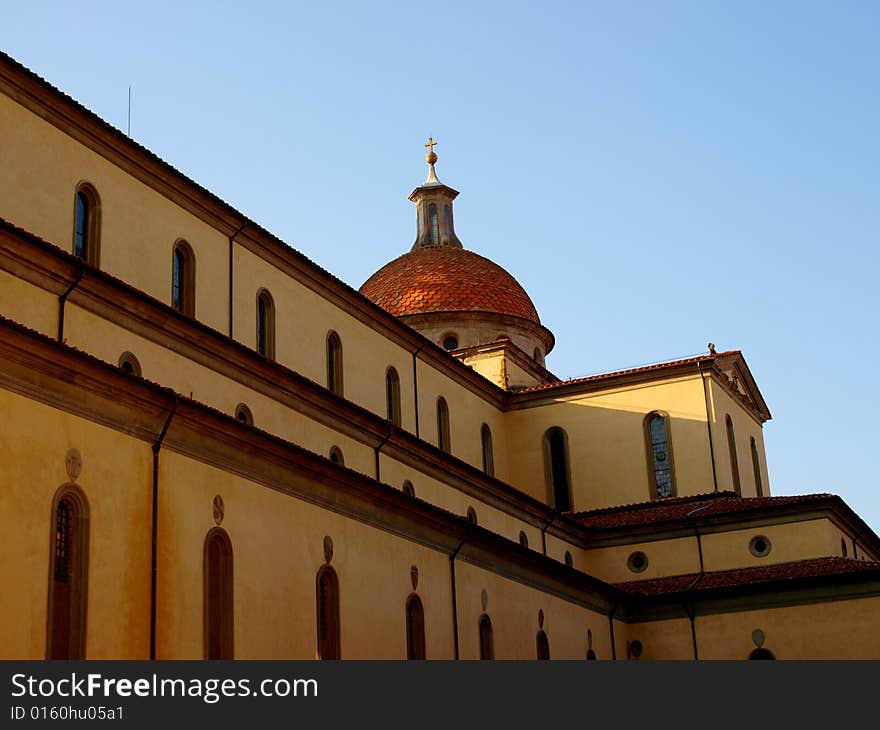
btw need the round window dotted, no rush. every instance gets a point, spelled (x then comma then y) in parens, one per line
(759, 546)
(450, 342)
(637, 562)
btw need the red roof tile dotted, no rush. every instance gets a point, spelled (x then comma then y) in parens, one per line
(447, 279)
(680, 508)
(641, 369)
(801, 569)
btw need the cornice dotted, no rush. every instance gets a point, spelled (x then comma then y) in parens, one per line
(51, 268)
(75, 382)
(83, 125)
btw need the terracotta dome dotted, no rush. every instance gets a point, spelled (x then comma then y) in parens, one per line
(447, 279)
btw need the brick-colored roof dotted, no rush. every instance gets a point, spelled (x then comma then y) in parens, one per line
(447, 279)
(750, 576)
(628, 371)
(680, 508)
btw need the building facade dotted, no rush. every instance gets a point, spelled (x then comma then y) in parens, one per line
(213, 448)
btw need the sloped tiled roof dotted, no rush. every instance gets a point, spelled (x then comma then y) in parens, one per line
(829, 566)
(447, 279)
(680, 508)
(628, 371)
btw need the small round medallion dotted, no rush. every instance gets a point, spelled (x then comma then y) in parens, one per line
(484, 599)
(414, 576)
(758, 638)
(540, 618)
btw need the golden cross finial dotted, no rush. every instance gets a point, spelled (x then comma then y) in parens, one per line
(431, 157)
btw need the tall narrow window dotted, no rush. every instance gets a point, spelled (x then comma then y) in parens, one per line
(68, 575)
(183, 279)
(557, 468)
(392, 395)
(265, 324)
(415, 628)
(488, 455)
(334, 363)
(447, 214)
(660, 471)
(433, 224)
(218, 595)
(734, 462)
(443, 425)
(543, 645)
(487, 643)
(336, 456)
(86, 224)
(756, 467)
(327, 590)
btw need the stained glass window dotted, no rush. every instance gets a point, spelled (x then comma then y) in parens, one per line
(661, 461)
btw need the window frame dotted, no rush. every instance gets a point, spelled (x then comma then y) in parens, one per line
(92, 228)
(444, 439)
(221, 599)
(334, 357)
(392, 396)
(549, 471)
(78, 547)
(649, 454)
(265, 323)
(186, 304)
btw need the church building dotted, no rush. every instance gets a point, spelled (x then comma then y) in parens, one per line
(214, 448)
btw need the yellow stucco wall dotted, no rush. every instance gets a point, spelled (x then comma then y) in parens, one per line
(607, 451)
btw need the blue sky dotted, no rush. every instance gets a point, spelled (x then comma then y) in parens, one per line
(656, 175)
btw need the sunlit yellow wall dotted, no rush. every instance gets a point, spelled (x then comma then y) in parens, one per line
(789, 542)
(467, 413)
(827, 630)
(42, 168)
(513, 609)
(665, 557)
(607, 449)
(278, 545)
(28, 305)
(745, 427)
(669, 639)
(116, 479)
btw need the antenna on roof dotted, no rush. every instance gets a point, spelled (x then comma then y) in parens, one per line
(129, 110)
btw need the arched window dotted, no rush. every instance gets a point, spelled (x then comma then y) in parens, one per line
(761, 653)
(488, 454)
(415, 628)
(433, 224)
(557, 469)
(87, 224)
(591, 655)
(487, 644)
(243, 414)
(472, 515)
(408, 489)
(218, 595)
(443, 425)
(334, 363)
(523, 539)
(68, 575)
(734, 462)
(183, 279)
(536, 356)
(129, 363)
(392, 395)
(265, 324)
(447, 213)
(543, 645)
(327, 590)
(756, 467)
(336, 456)
(660, 472)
